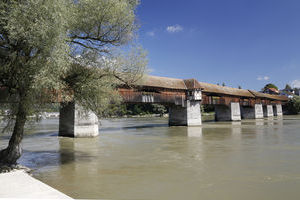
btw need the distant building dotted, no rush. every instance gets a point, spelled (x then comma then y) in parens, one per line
(271, 91)
(297, 91)
(289, 94)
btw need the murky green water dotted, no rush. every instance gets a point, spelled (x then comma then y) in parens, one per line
(146, 159)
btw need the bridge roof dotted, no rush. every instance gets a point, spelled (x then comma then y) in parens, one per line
(163, 82)
(175, 83)
(217, 89)
(269, 96)
(192, 84)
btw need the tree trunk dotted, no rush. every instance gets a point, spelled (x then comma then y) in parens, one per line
(13, 152)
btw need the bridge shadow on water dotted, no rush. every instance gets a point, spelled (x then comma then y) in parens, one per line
(51, 158)
(133, 127)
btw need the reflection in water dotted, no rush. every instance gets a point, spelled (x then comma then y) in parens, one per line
(194, 131)
(236, 130)
(270, 121)
(146, 159)
(259, 122)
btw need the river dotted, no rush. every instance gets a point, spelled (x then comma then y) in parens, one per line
(143, 158)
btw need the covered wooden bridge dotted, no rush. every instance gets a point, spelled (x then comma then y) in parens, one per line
(186, 95)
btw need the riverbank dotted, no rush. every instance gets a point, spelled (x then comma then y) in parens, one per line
(19, 184)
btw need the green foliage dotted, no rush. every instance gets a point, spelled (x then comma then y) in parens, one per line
(270, 85)
(68, 46)
(159, 109)
(135, 109)
(207, 108)
(288, 87)
(33, 51)
(293, 105)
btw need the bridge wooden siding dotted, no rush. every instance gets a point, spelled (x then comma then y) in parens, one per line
(154, 89)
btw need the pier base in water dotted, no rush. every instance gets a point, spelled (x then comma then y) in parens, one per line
(75, 122)
(188, 115)
(268, 111)
(249, 112)
(228, 113)
(277, 109)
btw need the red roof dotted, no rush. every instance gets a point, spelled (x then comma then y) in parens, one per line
(274, 90)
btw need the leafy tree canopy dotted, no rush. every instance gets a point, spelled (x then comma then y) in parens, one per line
(67, 49)
(293, 105)
(270, 85)
(288, 87)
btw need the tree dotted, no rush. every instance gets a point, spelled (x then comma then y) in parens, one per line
(293, 106)
(223, 84)
(297, 91)
(288, 87)
(269, 85)
(66, 47)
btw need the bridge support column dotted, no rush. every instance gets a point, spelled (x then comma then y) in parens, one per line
(75, 122)
(255, 112)
(228, 113)
(190, 115)
(268, 111)
(277, 110)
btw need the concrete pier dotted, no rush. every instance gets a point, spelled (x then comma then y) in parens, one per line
(268, 111)
(228, 113)
(189, 115)
(277, 109)
(249, 112)
(75, 122)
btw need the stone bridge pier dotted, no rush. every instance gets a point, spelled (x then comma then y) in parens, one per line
(250, 112)
(188, 114)
(75, 122)
(277, 109)
(268, 111)
(230, 112)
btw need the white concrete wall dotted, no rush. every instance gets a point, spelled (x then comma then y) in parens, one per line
(86, 123)
(235, 111)
(259, 113)
(193, 113)
(268, 111)
(277, 109)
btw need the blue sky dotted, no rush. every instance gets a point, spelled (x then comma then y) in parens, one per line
(238, 42)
